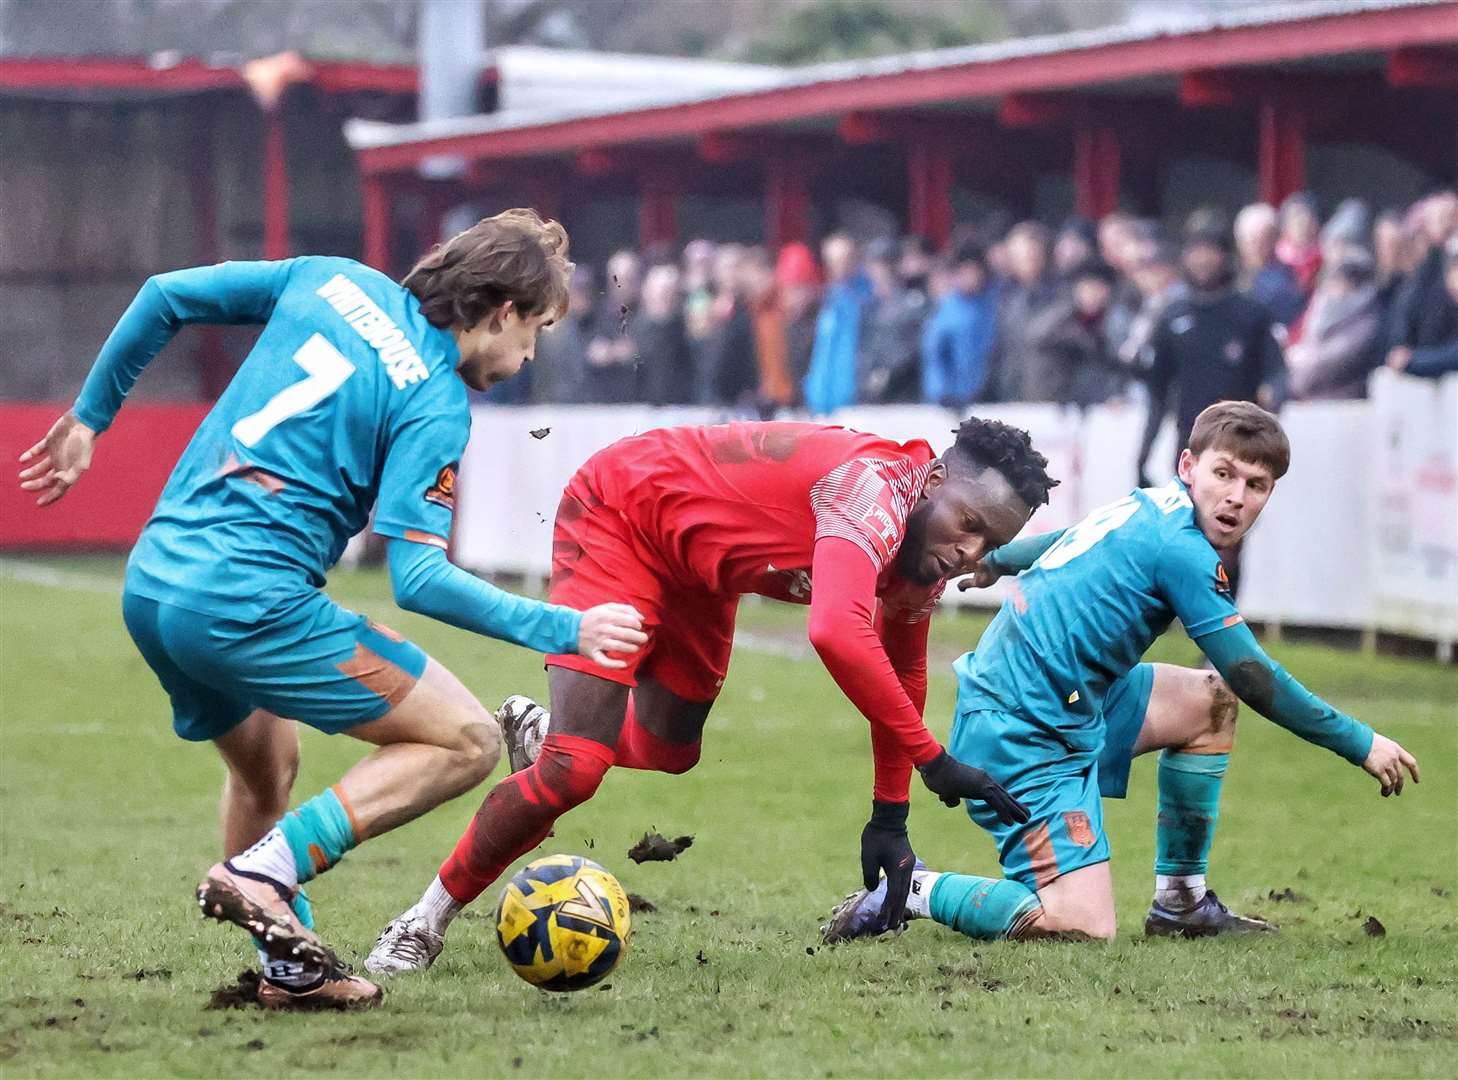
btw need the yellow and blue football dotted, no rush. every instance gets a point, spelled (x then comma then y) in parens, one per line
(563, 922)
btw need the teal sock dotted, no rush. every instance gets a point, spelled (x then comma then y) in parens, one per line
(318, 833)
(1189, 803)
(303, 909)
(983, 908)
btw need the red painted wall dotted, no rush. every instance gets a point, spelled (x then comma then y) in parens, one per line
(112, 502)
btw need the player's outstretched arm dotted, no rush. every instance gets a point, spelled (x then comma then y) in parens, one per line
(1273, 692)
(1012, 558)
(426, 582)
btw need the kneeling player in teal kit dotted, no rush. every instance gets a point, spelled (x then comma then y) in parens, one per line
(355, 391)
(1055, 703)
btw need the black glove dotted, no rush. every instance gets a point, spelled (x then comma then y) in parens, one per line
(885, 846)
(952, 781)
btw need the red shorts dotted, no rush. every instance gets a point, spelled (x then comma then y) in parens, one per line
(600, 557)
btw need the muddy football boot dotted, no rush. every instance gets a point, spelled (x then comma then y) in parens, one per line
(264, 908)
(335, 988)
(1206, 919)
(523, 727)
(858, 914)
(407, 944)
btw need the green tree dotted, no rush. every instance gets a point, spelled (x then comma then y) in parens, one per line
(845, 29)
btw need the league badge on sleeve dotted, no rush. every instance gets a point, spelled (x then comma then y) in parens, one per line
(443, 491)
(1222, 579)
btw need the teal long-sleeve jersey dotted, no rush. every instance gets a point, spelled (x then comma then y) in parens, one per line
(1091, 599)
(349, 401)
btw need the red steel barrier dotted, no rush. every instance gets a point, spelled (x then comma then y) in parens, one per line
(108, 508)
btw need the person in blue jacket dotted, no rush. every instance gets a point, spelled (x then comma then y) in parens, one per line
(830, 383)
(354, 397)
(958, 338)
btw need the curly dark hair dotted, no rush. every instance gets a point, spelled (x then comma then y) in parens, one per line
(991, 444)
(513, 256)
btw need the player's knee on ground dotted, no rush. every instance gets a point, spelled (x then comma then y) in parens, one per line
(1069, 925)
(1078, 905)
(1220, 707)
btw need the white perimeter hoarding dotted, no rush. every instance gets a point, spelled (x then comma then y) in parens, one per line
(1413, 501)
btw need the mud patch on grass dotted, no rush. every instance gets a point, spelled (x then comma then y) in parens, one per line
(656, 848)
(638, 903)
(1287, 895)
(242, 993)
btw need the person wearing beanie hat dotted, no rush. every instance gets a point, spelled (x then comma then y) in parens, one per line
(797, 278)
(1071, 356)
(888, 359)
(1213, 344)
(957, 340)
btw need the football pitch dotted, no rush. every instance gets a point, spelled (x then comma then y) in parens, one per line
(108, 822)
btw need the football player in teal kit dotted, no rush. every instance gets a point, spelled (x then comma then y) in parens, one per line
(353, 397)
(1055, 703)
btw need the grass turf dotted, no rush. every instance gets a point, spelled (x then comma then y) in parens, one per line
(108, 821)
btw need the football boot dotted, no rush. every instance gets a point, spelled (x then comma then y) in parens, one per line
(523, 728)
(1206, 919)
(335, 988)
(859, 913)
(407, 944)
(264, 908)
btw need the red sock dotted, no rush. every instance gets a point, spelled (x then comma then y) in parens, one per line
(639, 748)
(520, 810)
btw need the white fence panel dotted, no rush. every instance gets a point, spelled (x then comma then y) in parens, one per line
(1362, 533)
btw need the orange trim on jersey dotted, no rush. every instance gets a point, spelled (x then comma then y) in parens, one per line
(378, 675)
(1232, 620)
(1041, 859)
(415, 536)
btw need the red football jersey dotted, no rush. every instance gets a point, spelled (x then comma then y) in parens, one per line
(737, 508)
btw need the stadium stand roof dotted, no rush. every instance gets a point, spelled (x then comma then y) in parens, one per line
(1325, 33)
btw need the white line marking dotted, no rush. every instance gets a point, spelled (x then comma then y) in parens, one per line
(51, 578)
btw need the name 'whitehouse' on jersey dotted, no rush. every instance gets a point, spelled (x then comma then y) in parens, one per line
(349, 395)
(1087, 610)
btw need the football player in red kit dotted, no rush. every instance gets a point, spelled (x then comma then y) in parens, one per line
(680, 523)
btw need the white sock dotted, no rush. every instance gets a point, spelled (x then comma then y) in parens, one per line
(918, 902)
(438, 907)
(272, 857)
(1178, 892)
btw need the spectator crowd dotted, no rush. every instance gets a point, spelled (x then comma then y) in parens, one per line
(1271, 305)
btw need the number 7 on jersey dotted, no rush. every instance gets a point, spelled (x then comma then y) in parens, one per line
(326, 368)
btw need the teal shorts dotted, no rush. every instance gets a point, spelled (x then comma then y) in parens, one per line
(308, 659)
(1062, 788)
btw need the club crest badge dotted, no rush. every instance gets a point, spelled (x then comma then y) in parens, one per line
(443, 491)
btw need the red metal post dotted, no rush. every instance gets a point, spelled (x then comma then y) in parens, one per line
(1096, 164)
(657, 212)
(275, 187)
(929, 190)
(1281, 156)
(786, 200)
(375, 196)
